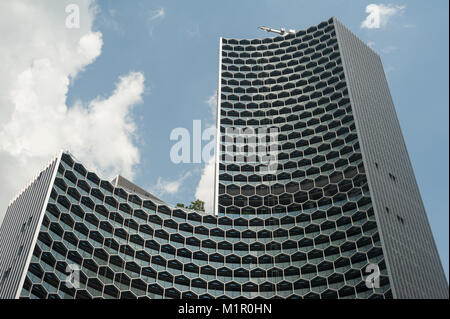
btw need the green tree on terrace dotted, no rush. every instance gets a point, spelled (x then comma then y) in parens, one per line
(198, 205)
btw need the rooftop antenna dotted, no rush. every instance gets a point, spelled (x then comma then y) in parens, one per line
(282, 31)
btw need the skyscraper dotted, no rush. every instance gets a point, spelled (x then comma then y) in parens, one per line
(315, 194)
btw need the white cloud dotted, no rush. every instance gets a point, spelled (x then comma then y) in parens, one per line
(40, 59)
(158, 14)
(379, 15)
(389, 49)
(152, 19)
(212, 103)
(205, 187)
(164, 186)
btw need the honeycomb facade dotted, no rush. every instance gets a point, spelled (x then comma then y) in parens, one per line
(317, 200)
(307, 229)
(128, 246)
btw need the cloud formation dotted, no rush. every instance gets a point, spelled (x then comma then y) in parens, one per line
(389, 49)
(379, 15)
(154, 17)
(40, 59)
(158, 14)
(164, 186)
(205, 187)
(212, 103)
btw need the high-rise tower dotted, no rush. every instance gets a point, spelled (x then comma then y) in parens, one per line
(342, 169)
(314, 193)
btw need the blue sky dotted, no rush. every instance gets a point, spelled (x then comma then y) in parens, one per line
(175, 45)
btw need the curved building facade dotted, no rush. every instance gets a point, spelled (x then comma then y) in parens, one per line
(312, 210)
(314, 194)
